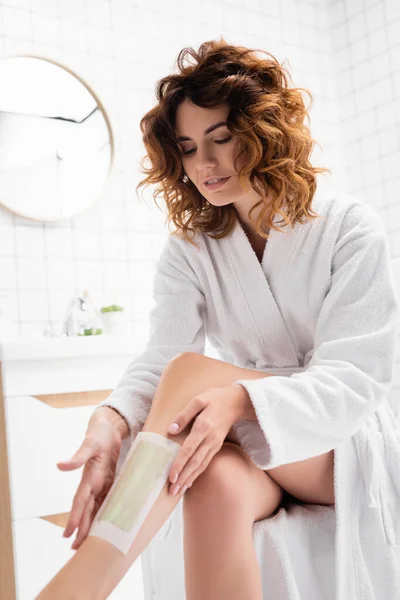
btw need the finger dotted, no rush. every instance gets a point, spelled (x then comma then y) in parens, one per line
(91, 482)
(80, 500)
(193, 465)
(97, 502)
(197, 435)
(207, 459)
(86, 450)
(185, 416)
(85, 523)
(189, 447)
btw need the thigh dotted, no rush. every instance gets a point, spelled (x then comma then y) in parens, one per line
(309, 481)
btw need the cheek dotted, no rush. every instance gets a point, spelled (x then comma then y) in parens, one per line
(240, 160)
(188, 163)
(240, 163)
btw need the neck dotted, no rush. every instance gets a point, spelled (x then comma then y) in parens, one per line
(249, 226)
(243, 207)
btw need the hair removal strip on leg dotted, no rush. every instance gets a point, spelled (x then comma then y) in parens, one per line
(135, 490)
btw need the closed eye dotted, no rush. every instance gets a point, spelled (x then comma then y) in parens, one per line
(224, 141)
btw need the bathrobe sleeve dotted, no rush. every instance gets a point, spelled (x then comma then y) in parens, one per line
(176, 325)
(349, 375)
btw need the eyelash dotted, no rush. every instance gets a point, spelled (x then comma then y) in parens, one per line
(224, 141)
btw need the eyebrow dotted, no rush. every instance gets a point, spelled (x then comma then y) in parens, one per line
(183, 138)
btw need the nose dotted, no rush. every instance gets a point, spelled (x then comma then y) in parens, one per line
(205, 160)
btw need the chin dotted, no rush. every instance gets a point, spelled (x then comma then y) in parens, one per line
(214, 202)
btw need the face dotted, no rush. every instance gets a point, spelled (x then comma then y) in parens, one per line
(208, 149)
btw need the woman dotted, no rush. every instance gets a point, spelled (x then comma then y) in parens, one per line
(293, 286)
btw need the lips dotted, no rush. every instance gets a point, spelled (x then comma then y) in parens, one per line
(220, 180)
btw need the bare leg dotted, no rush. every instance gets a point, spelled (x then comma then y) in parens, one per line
(97, 566)
(219, 513)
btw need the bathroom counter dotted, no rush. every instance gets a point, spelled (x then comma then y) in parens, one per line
(61, 365)
(63, 347)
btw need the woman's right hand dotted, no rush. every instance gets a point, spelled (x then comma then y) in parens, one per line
(99, 454)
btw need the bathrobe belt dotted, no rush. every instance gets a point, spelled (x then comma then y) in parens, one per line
(378, 448)
(283, 371)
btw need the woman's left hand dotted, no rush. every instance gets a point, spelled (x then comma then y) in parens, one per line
(217, 409)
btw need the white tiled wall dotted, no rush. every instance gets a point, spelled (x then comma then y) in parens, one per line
(365, 37)
(121, 49)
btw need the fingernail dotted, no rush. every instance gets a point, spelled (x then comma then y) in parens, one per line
(175, 490)
(175, 478)
(173, 428)
(183, 490)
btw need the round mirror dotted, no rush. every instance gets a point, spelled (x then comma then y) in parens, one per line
(56, 144)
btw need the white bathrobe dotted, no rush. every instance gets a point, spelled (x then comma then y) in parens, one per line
(321, 313)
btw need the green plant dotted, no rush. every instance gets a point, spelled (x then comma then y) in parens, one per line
(111, 308)
(91, 331)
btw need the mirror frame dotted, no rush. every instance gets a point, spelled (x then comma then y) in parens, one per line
(100, 105)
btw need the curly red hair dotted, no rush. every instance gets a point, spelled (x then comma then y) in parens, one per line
(266, 116)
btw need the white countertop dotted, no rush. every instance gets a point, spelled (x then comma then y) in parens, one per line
(68, 347)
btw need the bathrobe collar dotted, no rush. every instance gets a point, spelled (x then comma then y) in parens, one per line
(269, 326)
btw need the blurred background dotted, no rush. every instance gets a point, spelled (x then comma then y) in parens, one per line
(346, 52)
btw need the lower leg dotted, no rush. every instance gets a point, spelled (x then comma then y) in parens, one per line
(219, 513)
(98, 566)
(220, 557)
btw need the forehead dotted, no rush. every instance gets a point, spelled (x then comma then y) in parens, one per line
(193, 119)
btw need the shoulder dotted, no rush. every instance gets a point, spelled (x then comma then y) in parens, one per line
(345, 212)
(176, 245)
(179, 255)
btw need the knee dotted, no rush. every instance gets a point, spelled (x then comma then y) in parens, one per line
(222, 482)
(185, 358)
(185, 363)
